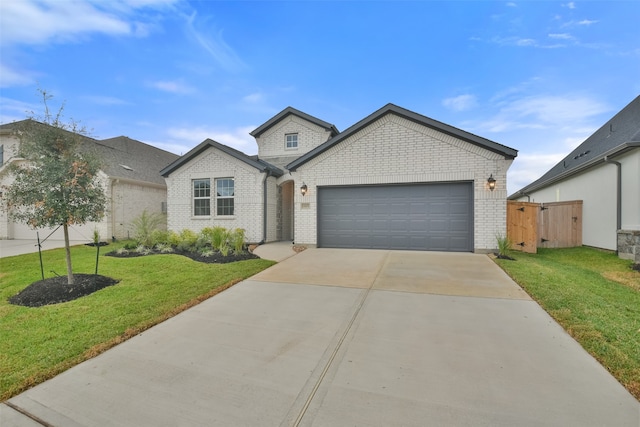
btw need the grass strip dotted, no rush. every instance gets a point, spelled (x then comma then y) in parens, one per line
(39, 343)
(595, 296)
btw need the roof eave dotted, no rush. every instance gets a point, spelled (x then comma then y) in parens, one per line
(203, 146)
(292, 111)
(614, 152)
(508, 153)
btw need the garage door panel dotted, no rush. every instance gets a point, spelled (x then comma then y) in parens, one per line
(416, 216)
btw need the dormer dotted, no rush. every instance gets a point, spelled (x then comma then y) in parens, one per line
(290, 134)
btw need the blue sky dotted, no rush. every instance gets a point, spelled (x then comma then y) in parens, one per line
(537, 76)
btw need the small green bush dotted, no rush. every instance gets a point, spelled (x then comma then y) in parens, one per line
(504, 245)
(219, 236)
(160, 237)
(237, 240)
(144, 225)
(188, 241)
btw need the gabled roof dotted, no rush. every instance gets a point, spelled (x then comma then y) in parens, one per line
(292, 111)
(123, 157)
(619, 135)
(507, 152)
(120, 157)
(254, 161)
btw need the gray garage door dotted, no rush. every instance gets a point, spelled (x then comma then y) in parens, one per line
(432, 217)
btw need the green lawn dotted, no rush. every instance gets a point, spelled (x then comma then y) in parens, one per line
(38, 343)
(595, 296)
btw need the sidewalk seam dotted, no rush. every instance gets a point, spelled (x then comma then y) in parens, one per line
(347, 330)
(28, 414)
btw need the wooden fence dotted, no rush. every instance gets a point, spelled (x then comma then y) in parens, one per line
(544, 225)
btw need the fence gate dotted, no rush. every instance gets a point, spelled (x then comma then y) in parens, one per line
(522, 225)
(545, 225)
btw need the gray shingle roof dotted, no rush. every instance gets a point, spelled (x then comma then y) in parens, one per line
(620, 134)
(122, 157)
(507, 152)
(292, 111)
(254, 161)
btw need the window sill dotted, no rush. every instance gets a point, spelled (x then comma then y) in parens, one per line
(197, 217)
(224, 217)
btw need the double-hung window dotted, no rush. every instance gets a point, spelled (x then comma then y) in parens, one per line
(291, 141)
(201, 197)
(224, 196)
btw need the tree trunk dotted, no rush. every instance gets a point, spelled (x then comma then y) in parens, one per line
(68, 252)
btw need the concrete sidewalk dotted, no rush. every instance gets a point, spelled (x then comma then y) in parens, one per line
(344, 337)
(25, 246)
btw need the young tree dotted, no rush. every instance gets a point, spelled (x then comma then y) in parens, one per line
(57, 184)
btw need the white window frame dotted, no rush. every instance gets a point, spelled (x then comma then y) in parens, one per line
(200, 195)
(225, 210)
(291, 143)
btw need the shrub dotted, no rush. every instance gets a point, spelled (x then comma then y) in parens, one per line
(144, 225)
(130, 245)
(207, 252)
(160, 237)
(164, 248)
(143, 250)
(122, 251)
(237, 240)
(504, 245)
(219, 235)
(188, 240)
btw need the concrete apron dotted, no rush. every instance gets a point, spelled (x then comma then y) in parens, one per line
(388, 338)
(462, 274)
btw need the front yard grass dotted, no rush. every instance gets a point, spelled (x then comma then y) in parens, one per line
(39, 343)
(595, 296)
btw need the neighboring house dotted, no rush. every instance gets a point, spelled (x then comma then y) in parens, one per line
(129, 173)
(603, 172)
(396, 180)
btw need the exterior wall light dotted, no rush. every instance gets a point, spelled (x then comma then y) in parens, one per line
(492, 182)
(303, 189)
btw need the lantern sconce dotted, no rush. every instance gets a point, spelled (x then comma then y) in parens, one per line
(492, 182)
(303, 189)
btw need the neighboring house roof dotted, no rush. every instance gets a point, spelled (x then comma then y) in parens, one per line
(292, 111)
(508, 153)
(121, 157)
(619, 135)
(254, 161)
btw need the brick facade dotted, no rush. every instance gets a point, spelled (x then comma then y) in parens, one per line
(396, 150)
(388, 150)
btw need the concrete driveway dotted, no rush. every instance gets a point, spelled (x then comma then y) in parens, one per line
(344, 337)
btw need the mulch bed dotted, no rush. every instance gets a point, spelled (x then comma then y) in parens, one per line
(215, 258)
(56, 290)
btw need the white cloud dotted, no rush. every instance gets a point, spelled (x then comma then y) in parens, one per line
(587, 22)
(177, 87)
(512, 4)
(10, 77)
(254, 98)
(212, 41)
(43, 21)
(570, 5)
(105, 100)
(527, 168)
(561, 36)
(460, 103)
(238, 138)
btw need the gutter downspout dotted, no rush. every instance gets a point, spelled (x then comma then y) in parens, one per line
(264, 202)
(618, 194)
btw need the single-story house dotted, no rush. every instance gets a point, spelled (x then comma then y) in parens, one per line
(603, 172)
(396, 180)
(130, 175)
